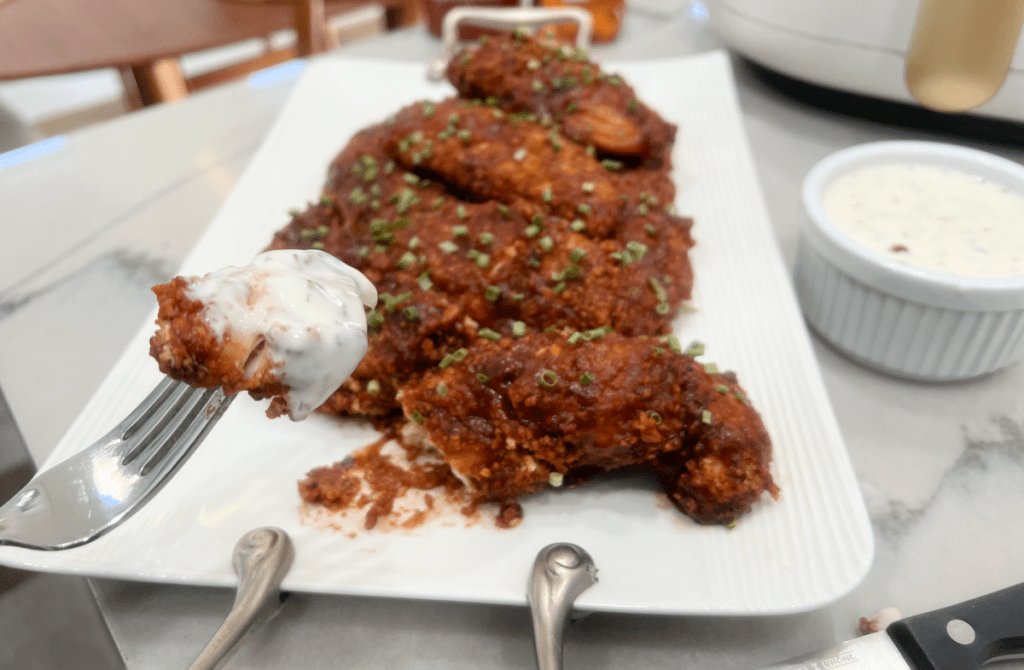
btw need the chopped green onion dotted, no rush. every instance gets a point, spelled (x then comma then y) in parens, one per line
(578, 225)
(486, 238)
(705, 417)
(489, 334)
(417, 417)
(492, 293)
(441, 389)
(407, 259)
(547, 378)
(586, 379)
(556, 479)
(584, 208)
(711, 368)
(482, 378)
(483, 260)
(460, 353)
(460, 231)
(577, 254)
(659, 290)
(574, 338)
(448, 247)
(518, 328)
(424, 281)
(657, 417)
(722, 388)
(546, 243)
(411, 313)
(374, 319)
(695, 349)
(373, 387)
(588, 187)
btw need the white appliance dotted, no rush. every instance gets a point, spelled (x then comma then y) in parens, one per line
(859, 46)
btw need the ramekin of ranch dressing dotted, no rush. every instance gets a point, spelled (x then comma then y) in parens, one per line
(911, 258)
(306, 305)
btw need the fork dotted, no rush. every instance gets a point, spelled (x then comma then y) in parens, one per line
(90, 493)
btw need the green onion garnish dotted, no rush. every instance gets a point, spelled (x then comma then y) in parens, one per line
(547, 378)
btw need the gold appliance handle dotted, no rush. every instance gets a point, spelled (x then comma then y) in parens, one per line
(960, 51)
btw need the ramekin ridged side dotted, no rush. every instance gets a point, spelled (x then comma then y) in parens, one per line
(903, 337)
(906, 321)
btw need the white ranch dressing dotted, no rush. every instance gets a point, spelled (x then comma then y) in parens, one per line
(308, 307)
(932, 217)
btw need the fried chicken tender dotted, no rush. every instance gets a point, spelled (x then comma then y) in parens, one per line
(489, 155)
(290, 325)
(188, 349)
(552, 80)
(519, 415)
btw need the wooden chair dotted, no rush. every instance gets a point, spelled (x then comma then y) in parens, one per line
(163, 80)
(143, 39)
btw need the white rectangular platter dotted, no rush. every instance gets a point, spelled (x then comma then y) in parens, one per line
(803, 551)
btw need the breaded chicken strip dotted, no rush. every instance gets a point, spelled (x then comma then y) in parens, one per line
(552, 80)
(489, 155)
(518, 415)
(291, 325)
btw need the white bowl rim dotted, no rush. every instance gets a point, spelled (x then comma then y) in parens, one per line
(931, 287)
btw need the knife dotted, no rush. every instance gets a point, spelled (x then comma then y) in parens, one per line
(959, 637)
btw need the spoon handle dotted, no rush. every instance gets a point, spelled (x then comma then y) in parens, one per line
(261, 559)
(560, 574)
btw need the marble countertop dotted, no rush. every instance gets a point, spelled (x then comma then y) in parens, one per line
(92, 221)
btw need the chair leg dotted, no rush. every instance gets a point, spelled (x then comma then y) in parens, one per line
(154, 82)
(311, 27)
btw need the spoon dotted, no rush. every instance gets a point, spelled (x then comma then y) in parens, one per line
(261, 559)
(560, 574)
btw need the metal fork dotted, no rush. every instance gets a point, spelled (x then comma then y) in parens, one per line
(90, 493)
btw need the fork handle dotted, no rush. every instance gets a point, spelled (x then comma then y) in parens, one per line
(261, 558)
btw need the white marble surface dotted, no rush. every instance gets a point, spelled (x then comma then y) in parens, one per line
(89, 228)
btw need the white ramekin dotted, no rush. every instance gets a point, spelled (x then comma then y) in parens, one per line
(906, 321)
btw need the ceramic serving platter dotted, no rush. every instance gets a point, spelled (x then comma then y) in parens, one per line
(802, 551)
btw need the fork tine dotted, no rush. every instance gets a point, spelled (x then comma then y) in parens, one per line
(131, 423)
(148, 425)
(180, 431)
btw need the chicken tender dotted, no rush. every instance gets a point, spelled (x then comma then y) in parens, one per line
(516, 416)
(554, 81)
(290, 325)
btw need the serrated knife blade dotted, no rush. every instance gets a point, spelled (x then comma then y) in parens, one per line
(960, 637)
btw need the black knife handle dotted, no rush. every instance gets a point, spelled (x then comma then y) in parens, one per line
(997, 620)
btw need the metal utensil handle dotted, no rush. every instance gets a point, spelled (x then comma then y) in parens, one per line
(508, 18)
(261, 559)
(560, 574)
